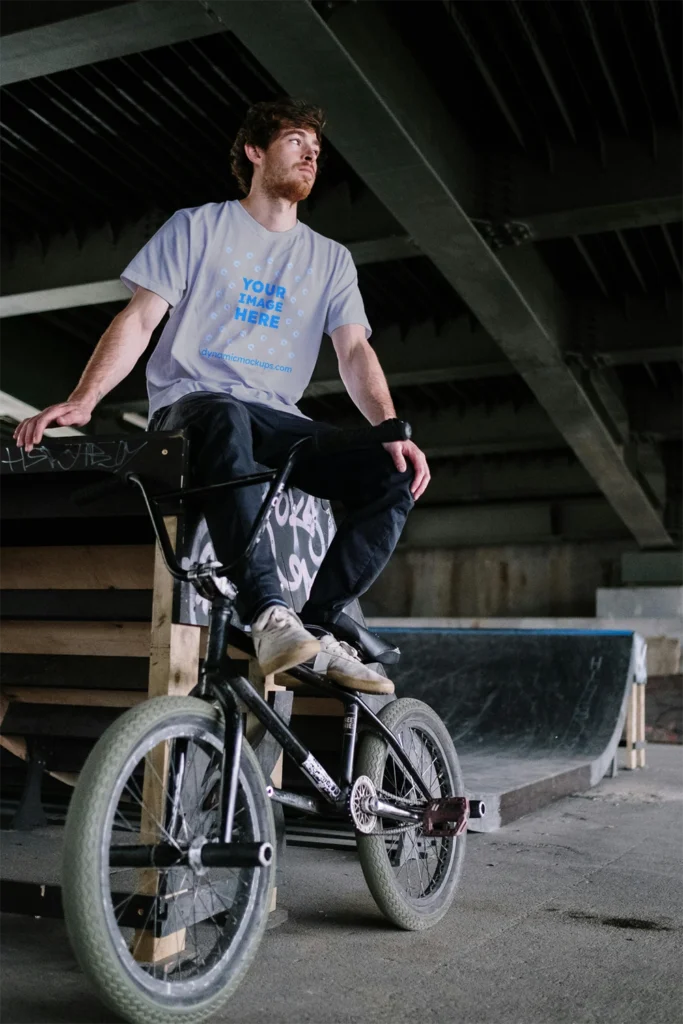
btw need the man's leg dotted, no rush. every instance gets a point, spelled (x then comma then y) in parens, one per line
(376, 496)
(377, 499)
(221, 449)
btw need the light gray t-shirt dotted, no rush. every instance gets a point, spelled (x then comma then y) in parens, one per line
(249, 305)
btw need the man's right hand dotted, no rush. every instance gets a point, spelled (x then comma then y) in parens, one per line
(73, 413)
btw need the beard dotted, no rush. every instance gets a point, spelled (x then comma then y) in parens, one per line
(293, 187)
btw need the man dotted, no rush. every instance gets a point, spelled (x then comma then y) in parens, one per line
(251, 292)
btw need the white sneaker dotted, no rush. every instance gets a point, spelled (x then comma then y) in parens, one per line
(341, 662)
(280, 640)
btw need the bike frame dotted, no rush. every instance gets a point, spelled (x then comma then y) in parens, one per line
(221, 681)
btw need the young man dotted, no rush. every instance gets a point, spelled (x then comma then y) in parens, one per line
(251, 291)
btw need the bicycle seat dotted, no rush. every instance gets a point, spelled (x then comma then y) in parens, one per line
(371, 647)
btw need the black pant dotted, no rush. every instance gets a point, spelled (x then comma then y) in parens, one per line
(229, 438)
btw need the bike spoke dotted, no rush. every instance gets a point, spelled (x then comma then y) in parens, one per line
(419, 861)
(202, 912)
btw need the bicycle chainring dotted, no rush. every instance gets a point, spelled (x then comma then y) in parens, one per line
(362, 791)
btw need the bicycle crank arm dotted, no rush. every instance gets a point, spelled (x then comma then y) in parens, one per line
(385, 810)
(199, 856)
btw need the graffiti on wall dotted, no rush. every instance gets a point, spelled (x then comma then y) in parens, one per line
(300, 531)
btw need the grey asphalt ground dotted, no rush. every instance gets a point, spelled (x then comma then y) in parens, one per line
(573, 915)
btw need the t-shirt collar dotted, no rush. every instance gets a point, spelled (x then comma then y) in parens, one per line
(271, 236)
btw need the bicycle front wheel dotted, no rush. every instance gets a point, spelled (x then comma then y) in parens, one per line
(412, 877)
(163, 945)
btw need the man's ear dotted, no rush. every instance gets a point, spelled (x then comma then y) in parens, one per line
(253, 153)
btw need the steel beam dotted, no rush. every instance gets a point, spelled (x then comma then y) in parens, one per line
(69, 271)
(602, 336)
(478, 430)
(505, 477)
(631, 186)
(88, 38)
(656, 416)
(388, 123)
(520, 522)
(12, 408)
(642, 330)
(423, 354)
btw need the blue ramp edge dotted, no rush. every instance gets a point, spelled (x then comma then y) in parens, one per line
(485, 631)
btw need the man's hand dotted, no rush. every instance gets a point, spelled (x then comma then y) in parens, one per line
(401, 451)
(73, 413)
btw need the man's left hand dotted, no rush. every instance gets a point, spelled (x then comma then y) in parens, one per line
(403, 452)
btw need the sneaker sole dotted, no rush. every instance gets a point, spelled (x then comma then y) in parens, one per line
(361, 685)
(292, 657)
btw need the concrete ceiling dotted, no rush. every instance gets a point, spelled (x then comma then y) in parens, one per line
(506, 175)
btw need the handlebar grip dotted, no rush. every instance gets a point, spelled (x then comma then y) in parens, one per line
(362, 437)
(91, 492)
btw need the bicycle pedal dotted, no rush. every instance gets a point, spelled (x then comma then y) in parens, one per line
(447, 817)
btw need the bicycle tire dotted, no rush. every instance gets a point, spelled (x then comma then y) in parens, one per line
(400, 907)
(90, 920)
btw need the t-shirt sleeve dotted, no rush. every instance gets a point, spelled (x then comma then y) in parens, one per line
(346, 302)
(162, 265)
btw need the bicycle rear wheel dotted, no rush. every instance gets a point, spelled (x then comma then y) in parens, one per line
(163, 944)
(412, 877)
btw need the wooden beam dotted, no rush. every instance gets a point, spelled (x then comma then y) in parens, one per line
(78, 567)
(81, 698)
(173, 649)
(103, 639)
(324, 706)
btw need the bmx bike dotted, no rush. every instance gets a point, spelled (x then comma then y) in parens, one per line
(168, 863)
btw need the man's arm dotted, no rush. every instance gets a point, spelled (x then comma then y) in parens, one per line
(365, 382)
(117, 352)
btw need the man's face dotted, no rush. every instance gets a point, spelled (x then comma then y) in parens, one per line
(290, 164)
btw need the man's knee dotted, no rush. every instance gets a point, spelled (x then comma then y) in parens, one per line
(401, 488)
(391, 481)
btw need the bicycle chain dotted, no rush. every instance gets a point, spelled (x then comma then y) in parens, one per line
(397, 829)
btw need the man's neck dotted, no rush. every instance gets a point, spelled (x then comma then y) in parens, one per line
(273, 214)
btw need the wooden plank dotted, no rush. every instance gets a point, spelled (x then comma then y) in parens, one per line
(173, 669)
(58, 720)
(325, 706)
(75, 672)
(148, 949)
(77, 605)
(640, 732)
(145, 946)
(17, 745)
(78, 567)
(173, 649)
(631, 720)
(103, 639)
(84, 698)
(264, 685)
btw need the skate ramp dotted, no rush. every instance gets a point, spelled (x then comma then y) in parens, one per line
(534, 714)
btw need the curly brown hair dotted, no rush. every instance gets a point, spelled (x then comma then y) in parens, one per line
(262, 124)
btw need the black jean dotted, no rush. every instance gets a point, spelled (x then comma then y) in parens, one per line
(229, 438)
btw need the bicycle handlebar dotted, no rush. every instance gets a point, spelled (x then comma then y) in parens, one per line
(324, 444)
(362, 437)
(328, 443)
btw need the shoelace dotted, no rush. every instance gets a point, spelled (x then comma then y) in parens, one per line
(333, 646)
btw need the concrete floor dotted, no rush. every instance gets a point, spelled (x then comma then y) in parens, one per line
(571, 915)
